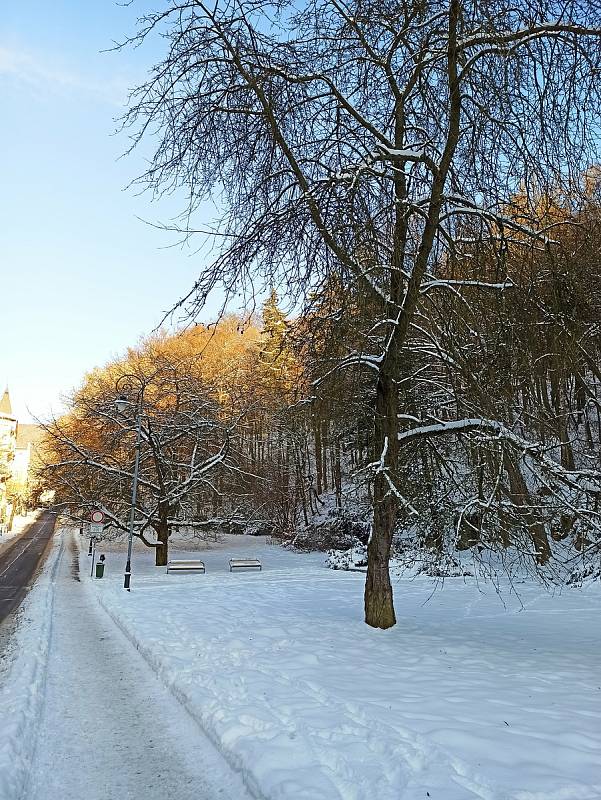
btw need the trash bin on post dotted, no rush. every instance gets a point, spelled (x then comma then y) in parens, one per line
(100, 567)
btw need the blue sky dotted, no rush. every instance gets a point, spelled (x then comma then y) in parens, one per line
(82, 277)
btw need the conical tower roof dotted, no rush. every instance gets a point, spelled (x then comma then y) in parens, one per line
(5, 406)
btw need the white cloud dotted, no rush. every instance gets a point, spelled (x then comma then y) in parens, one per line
(40, 75)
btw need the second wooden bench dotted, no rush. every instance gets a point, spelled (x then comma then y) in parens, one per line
(185, 565)
(245, 563)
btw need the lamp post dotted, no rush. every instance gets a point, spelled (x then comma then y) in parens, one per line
(126, 386)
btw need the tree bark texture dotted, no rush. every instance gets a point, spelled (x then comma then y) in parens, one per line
(162, 532)
(378, 599)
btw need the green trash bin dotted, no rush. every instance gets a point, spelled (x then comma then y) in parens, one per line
(100, 568)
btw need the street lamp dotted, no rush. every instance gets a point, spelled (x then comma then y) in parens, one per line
(122, 404)
(131, 386)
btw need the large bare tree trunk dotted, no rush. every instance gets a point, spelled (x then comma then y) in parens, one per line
(379, 606)
(162, 532)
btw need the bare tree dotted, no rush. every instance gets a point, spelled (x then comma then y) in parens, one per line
(185, 444)
(355, 139)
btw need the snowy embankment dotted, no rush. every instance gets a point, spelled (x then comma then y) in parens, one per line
(464, 698)
(22, 684)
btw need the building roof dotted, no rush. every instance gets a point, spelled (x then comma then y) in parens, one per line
(28, 434)
(5, 404)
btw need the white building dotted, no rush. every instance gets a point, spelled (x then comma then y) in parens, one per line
(17, 444)
(8, 446)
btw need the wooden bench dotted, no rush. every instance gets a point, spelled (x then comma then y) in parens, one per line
(185, 565)
(245, 563)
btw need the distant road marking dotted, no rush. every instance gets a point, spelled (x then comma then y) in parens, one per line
(33, 539)
(24, 550)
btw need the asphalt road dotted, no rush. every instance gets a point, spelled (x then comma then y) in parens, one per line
(18, 563)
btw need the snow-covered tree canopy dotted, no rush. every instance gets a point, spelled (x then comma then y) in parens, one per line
(322, 125)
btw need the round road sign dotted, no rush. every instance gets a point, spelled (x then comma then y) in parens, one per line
(97, 516)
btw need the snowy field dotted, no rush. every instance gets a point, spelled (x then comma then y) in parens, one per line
(465, 698)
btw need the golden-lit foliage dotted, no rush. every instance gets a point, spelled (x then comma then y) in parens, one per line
(241, 374)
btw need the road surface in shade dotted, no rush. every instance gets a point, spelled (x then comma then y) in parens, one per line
(18, 563)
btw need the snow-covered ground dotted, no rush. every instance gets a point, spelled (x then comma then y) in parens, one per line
(84, 717)
(465, 698)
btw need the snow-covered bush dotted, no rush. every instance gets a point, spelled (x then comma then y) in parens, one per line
(340, 530)
(430, 563)
(409, 562)
(584, 574)
(258, 528)
(353, 558)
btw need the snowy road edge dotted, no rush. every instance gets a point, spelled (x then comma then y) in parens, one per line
(23, 691)
(231, 758)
